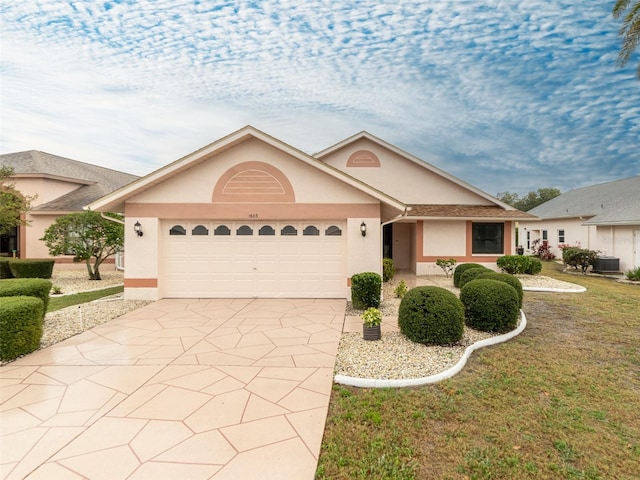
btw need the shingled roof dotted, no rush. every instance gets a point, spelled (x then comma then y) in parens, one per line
(467, 211)
(93, 181)
(611, 203)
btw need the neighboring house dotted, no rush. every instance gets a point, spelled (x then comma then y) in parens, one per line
(60, 186)
(603, 217)
(250, 216)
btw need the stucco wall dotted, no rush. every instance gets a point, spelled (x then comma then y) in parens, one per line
(574, 230)
(403, 179)
(618, 241)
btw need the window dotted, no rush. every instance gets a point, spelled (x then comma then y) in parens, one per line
(200, 230)
(289, 230)
(560, 236)
(528, 240)
(488, 238)
(545, 235)
(311, 231)
(222, 230)
(177, 230)
(333, 231)
(244, 230)
(266, 230)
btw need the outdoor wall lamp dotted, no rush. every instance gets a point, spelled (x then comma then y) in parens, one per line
(138, 229)
(363, 229)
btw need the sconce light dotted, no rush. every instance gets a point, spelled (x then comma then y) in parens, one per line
(138, 229)
(363, 229)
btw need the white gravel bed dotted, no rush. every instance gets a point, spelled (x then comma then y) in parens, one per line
(394, 356)
(77, 280)
(70, 321)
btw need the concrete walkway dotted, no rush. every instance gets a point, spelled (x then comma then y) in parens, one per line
(180, 389)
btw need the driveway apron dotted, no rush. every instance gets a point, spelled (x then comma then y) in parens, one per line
(195, 389)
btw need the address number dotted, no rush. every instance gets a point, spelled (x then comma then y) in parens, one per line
(253, 215)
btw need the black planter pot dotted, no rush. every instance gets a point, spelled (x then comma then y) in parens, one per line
(371, 333)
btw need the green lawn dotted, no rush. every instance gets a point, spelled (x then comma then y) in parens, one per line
(562, 400)
(58, 302)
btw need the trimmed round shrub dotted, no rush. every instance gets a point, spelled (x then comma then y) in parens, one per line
(388, 270)
(513, 264)
(28, 287)
(460, 269)
(366, 289)
(20, 326)
(32, 268)
(471, 274)
(5, 271)
(506, 278)
(432, 316)
(490, 305)
(534, 267)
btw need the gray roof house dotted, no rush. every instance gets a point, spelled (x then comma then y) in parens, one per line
(603, 217)
(60, 186)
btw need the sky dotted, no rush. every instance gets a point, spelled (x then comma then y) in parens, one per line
(505, 95)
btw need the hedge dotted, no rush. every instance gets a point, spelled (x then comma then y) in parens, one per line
(508, 279)
(490, 305)
(5, 271)
(31, 268)
(432, 316)
(29, 287)
(460, 269)
(366, 290)
(20, 326)
(471, 274)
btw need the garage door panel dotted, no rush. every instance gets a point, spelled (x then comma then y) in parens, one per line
(253, 266)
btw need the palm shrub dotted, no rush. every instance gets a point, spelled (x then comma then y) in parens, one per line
(366, 289)
(471, 273)
(460, 269)
(388, 270)
(432, 316)
(506, 278)
(490, 305)
(20, 326)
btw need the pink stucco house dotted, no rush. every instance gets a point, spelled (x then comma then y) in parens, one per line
(59, 186)
(250, 216)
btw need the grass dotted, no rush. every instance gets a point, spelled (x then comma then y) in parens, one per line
(562, 400)
(57, 303)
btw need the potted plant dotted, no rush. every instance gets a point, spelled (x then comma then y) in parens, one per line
(371, 318)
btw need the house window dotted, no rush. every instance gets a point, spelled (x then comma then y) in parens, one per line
(222, 230)
(266, 230)
(177, 230)
(9, 242)
(560, 236)
(311, 231)
(200, 230)
(289, 230)
(545, 235)
(488, 238)
(333, 231)
(244, 230)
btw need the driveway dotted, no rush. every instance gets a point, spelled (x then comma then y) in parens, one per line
(193, 389)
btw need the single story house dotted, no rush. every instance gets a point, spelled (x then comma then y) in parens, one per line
(250, 216)
(603, 217)
(60, 186)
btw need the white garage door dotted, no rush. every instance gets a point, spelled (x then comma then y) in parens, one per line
(253, 259)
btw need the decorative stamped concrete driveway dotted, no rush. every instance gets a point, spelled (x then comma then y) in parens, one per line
(188, 389)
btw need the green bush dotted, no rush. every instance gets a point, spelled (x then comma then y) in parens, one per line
(535, 266)
(388, 269)
(460, 269)
(32, 268)
(28, 287)
(490, 305)
(470, 274)
(634, 274)
(431, 315)
(5, 271)
(366, 288)
(20, 326)
(513, 264)
(401, 289)
(579, 257)
(506, 278)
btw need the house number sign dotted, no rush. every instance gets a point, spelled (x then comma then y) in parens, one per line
(253, 215)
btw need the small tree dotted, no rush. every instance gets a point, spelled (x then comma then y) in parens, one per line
(88, 236)
(12, 203)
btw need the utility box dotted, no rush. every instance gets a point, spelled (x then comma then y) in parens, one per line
(607, 265)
